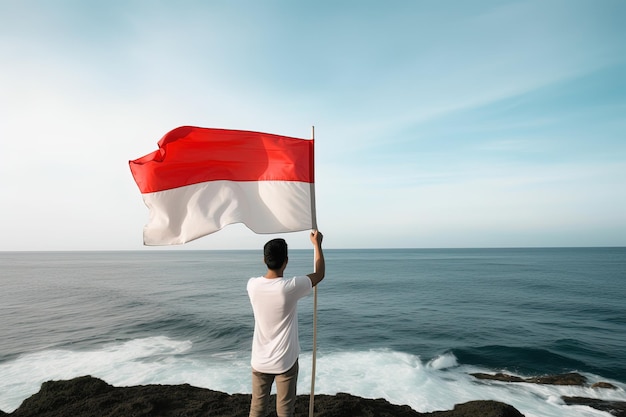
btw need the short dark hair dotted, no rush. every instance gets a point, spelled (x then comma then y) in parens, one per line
(275, 253)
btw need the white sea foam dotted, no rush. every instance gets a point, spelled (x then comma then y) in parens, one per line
(128, 363)
(400, 378)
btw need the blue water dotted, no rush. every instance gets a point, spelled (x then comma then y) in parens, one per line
(407, 325)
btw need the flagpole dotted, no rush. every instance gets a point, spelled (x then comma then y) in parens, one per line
(314, 359)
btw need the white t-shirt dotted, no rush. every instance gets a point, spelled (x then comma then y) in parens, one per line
(275, 344)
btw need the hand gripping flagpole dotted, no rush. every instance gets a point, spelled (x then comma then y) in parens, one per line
(312, 397)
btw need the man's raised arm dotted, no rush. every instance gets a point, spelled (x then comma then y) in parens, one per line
(320, 264)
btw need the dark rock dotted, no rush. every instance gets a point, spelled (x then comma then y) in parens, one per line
(344, 404)
(572, 378)
(91, 397)
(499, 377)
(603, 385)
(480, 409)
(615, 408)
(561, 379)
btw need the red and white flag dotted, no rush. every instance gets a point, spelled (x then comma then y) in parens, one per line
(201, 179)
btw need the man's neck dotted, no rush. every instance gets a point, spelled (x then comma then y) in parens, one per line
(271, 274)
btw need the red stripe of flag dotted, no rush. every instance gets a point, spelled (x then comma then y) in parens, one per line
(190, 155)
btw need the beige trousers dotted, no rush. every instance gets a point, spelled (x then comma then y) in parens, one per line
(285, 392)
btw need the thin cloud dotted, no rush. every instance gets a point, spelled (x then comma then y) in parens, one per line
(437, 126)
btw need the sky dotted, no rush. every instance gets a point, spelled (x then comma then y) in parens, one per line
(438, 124)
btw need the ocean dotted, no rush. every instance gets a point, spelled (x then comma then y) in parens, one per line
(407, 325)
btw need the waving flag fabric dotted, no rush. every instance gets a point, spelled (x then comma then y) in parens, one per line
(201, 179)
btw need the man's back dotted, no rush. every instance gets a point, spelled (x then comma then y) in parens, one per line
(275, 344)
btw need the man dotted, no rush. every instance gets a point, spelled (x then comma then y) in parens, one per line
(275, 344)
